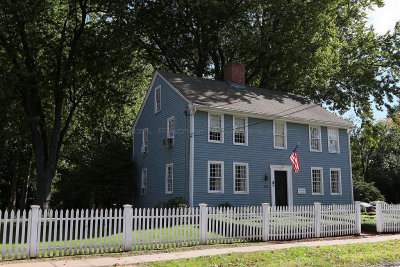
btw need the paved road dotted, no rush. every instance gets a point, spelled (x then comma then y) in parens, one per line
(109, 261)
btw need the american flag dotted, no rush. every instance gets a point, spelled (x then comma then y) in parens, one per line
(295, 160)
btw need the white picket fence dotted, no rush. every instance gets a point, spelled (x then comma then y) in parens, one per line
(387, 217)
(51, 233)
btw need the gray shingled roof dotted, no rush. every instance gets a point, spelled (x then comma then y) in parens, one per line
(270, 103)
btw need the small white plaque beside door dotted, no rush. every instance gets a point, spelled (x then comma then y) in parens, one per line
(301, 191)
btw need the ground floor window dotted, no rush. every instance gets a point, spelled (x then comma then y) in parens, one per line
(336, 187)
(169, 178)
(144, 182)
(215, 176)
(241, 178)
(317, 181)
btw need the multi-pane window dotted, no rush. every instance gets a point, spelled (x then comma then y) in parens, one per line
(157, 99)
(216, 128)
(171, 127)
(317, 181)
(144, 182)
(280, 135)
(145, 139)
(333, 140)
(169, 178)
(241, 178)
(335, 182)
(315, 138)
(239, 131)
(215, 177)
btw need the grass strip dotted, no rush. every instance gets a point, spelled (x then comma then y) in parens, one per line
(349, 255)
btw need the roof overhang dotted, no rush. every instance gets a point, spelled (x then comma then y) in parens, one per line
(265, 116)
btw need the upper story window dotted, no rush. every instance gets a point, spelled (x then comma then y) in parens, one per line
(145, 140)
(215, 177)
(215, 128)
(317, 181)
(239, 131)
(169, 178)
(333, 140)
(241, 178)
(144, 182)
(279, 135)
(336, 185)
(171, 127)
(157, 99)
(315, 138)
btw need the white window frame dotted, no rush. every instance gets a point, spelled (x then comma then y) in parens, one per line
(285, 134)
(338, 145)
(245, 131)
(234, 177)
(157, 108)
(222, 177)
(143, 138)
(168, 133)
(340, 180)
(166, 178)
(320, 140)
(322, 181)
(222, 128)
(143, 183)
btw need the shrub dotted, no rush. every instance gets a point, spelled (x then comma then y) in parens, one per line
(225, 205)
(178, 202)
(368, 223)
(366, 192)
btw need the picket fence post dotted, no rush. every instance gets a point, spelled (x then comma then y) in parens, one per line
(203, 223)
(127, 229)
(379, 219)
(33, 224)
(317, 219)
(358, 216)
(265, 222)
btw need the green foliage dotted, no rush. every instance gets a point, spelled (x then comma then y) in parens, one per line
(104, 180)
(368, 223)
(366, 192)
(178, 202)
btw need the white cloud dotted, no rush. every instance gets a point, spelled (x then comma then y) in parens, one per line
(384, 19)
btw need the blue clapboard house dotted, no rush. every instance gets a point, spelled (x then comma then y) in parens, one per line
(221, 141)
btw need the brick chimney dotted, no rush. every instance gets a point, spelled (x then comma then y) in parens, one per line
(235, 73)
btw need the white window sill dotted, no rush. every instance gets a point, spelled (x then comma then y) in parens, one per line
(168, 193)
(215, 142)
(240, 144)
(215, 192)
(317, 194)
(240, 193)
(312, 150)
(278, 147)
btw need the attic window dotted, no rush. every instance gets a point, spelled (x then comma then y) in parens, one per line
(157, 99)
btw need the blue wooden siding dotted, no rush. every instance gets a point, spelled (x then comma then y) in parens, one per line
(158, 156)
(260, 154)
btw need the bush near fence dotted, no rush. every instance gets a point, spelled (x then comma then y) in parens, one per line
(47, 233)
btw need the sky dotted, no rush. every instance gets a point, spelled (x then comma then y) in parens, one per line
(383, 20)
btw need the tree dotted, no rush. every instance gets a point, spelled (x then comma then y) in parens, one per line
(58, 56)
(320, 49)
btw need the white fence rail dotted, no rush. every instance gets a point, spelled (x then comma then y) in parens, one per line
(387, 217)
(51, 233)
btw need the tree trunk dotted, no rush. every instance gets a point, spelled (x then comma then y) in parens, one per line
(44, 178)
(25, 186)
(13, 183)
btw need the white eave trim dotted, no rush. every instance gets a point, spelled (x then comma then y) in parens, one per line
(271, 116)
(156, 73)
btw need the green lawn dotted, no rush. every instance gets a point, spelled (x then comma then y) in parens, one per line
(347, 255)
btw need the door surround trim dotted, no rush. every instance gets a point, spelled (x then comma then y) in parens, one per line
(288, 169)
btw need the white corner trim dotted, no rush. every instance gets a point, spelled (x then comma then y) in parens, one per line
(247, 178)
(149, 89)
(285, 133)
(222, 177)
(288, 169)
(309, 137)
(322, 181)
(351, 167)
(222, 127)
(246, 131)
(340, 181)
(191, 154)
